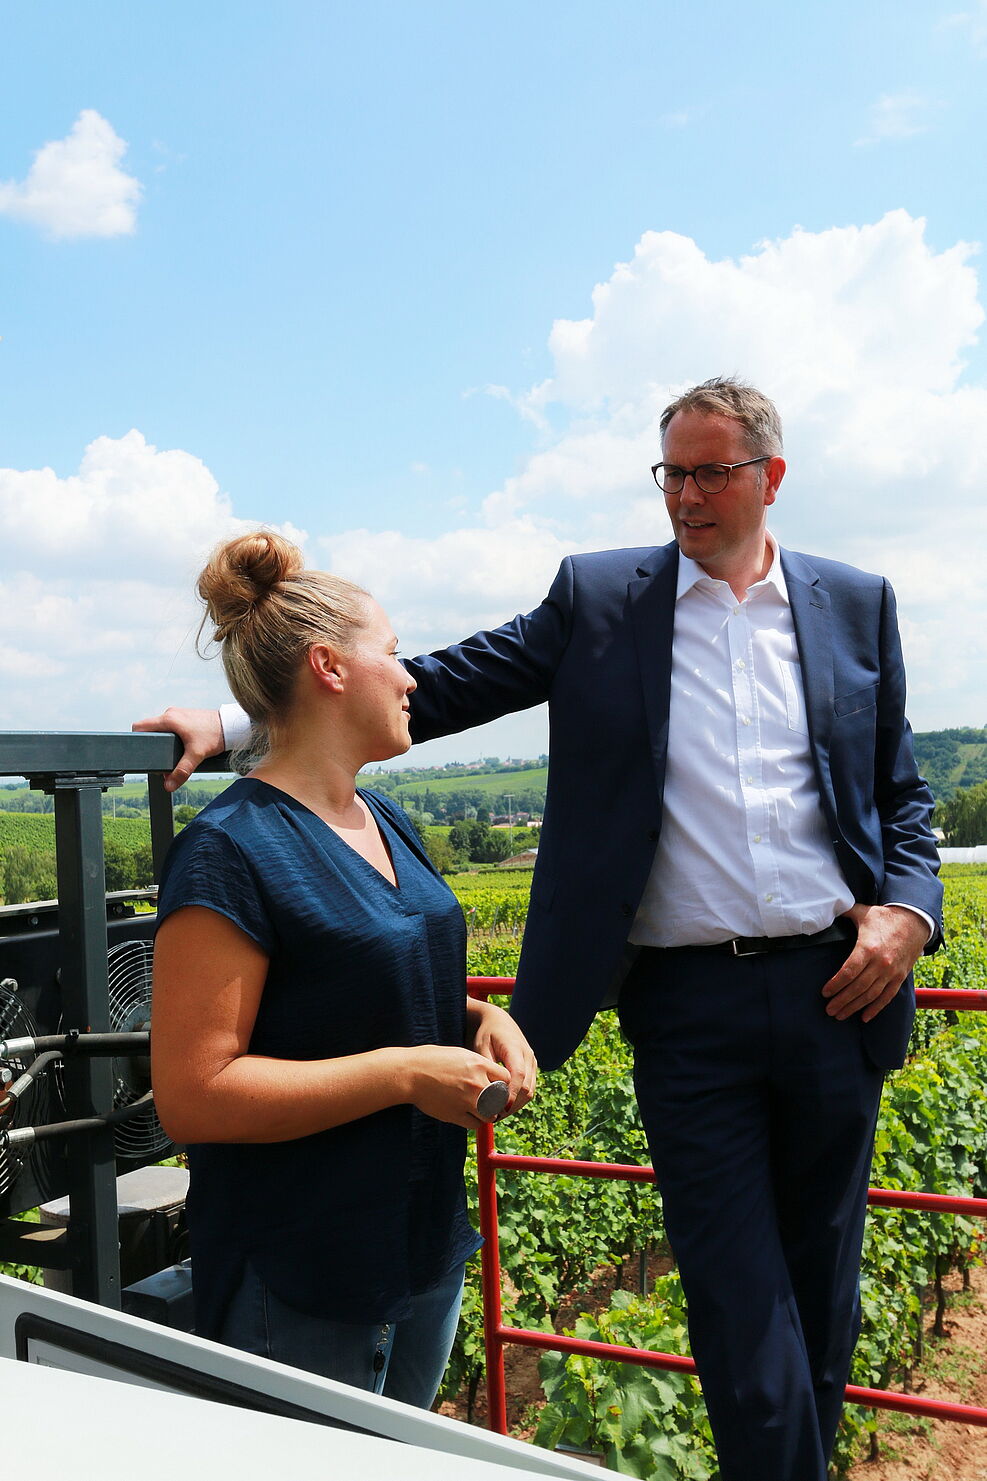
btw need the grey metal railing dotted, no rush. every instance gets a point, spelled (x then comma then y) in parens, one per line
(75, 769)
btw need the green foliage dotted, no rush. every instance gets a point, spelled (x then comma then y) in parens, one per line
(33, 1274)
(963, 818)
(118, 861)
(495, 902)
(951, 758)
(480, 843)
(443, 856)
(460, 791)
(645, 1421)
(27, 855)
(26, 874)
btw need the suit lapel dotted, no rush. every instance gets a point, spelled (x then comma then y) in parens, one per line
(652, 603)
(812, 619)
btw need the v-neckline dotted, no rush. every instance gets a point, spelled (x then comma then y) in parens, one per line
(378, 821)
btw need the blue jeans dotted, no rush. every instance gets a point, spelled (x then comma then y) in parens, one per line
(404, 1360)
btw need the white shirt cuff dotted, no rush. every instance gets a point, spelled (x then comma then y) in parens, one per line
(236, 725)
(900, 905)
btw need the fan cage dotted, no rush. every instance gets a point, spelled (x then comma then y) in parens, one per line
(129, 965)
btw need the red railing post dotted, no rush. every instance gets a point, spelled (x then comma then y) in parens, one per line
(493, 1316)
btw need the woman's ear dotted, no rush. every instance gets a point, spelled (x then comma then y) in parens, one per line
(325, 666)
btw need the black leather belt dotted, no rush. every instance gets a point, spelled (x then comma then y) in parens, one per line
(841, 930)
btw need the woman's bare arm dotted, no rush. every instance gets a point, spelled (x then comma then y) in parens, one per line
(208, 980)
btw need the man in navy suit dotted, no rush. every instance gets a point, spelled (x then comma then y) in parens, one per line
(736, 849)
(750, 869)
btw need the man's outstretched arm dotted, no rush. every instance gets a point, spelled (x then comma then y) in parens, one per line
(487, 675)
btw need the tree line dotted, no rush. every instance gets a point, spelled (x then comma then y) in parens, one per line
(963, 818)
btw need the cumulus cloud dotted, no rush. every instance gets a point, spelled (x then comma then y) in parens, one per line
(896, 116)
(861, 334)
(96, 585)
(75, 186)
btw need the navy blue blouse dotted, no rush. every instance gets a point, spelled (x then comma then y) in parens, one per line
(353, 1221)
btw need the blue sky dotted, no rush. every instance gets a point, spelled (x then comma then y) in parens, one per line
(333, 268)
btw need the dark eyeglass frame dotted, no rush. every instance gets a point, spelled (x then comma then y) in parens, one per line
(717, 468)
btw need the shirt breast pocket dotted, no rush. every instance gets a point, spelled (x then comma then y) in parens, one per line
(791, 677)
(860, 699)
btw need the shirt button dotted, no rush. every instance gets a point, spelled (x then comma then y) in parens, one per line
(736, 611)
(757, 839)
(749, 780)
(745, 719)
(741, 664)
(768, 899)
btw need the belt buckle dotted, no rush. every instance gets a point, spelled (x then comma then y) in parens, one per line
(752, 951)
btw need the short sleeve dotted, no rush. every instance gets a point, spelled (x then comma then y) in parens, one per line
(206, 867)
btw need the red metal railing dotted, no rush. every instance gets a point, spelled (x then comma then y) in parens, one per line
(497, 1335)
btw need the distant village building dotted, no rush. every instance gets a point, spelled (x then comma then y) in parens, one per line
(524, 860)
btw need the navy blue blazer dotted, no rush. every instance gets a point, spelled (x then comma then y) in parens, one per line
(598, 649)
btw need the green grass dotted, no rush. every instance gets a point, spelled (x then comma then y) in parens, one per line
(490, 783)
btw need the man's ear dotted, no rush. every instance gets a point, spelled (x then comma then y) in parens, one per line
(774, 472)
(326, 667)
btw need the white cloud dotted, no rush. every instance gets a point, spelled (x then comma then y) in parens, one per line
(75, 186)
(859, 332)
(97, 585)
(973, 22)
(896, 116)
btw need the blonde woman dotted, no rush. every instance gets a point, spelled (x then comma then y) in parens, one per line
(313, 1046)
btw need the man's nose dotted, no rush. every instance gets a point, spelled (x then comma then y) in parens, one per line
(691, 492)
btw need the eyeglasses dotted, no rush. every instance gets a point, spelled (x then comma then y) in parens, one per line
(711, 478)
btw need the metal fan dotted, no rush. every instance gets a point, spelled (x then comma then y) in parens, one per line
(129, 977)
(37, 1103)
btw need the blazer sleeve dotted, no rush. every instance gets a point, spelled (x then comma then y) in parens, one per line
(903, 799)
(493, 673)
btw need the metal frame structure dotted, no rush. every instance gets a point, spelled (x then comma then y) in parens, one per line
(75, 769)
(497, 1335)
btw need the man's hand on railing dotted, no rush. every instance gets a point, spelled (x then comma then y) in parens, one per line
(201, 732)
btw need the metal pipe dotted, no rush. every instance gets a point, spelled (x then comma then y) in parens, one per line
(22, 1138)
(97, 1045)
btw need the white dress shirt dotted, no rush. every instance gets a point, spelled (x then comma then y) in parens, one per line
(744, 847)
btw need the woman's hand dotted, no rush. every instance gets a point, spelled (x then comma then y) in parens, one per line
(497, 1037)
(445, 1082)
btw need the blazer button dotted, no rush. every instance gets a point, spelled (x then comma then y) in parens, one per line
(653, 835)
(626, 909)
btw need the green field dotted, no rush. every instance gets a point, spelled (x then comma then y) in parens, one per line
(36, 831)
(490, 783)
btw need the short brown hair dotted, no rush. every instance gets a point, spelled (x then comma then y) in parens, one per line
(727, 397)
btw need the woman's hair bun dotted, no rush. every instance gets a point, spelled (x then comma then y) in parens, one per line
(241, 573)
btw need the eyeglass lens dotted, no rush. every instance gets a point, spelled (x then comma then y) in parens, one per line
(712, 478)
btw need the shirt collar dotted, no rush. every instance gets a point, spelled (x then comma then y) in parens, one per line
(692, 574)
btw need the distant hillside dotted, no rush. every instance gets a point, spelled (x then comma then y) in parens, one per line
(950, 759)
(447, 792)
